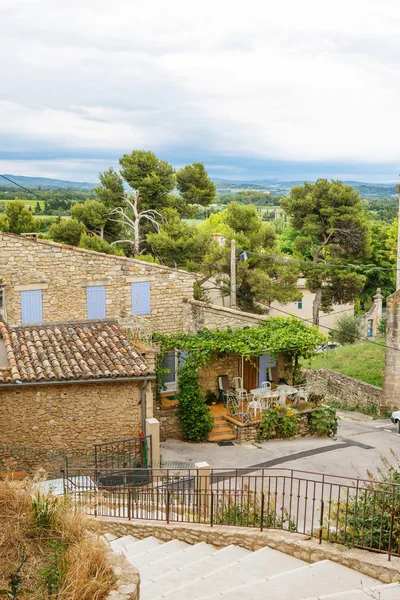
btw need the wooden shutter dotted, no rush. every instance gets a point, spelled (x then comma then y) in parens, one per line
(141, 298)
(31, 306)
(96, 302)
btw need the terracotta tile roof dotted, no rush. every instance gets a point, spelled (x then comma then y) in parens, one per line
(62, 351)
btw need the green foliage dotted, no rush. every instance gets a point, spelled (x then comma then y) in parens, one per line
(18, 218)
(154, 178)
(195, 415)
(15, 582)
(364, 361)
(211, 397)
(279, 422)
(43, 508)
(261, 278)
(67, 231)
(347, 330)
(52, 575)
(369, 517)
(324, 420)
(195, 185)
(333, 227)
(243, 508)
(92, 242)
(382, 326)
(256, 197)
(278, 334)
(368, 409)
(111, 190)
(92, 213)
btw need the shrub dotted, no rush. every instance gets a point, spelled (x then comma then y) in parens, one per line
(195, 415)
(324, 420)
(281, 422)
(347, 330)
(92, 242)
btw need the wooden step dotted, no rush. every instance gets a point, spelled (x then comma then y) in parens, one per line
(224, 426)
(221, 437)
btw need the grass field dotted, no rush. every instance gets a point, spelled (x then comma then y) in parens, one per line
(363, 361)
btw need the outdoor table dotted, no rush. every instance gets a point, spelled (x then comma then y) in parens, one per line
(261, 391)
(287, 389)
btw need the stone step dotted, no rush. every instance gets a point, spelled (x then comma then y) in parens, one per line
(141, 546)
(158, 552)
(163, 567)
(223, 427)
(390, 591)
(308, 581)
(221, 437)
(260, 564)
(185, 574)
(120, 543)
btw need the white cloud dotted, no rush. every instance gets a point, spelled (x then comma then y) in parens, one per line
(311, 81)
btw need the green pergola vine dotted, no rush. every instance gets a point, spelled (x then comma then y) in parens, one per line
(278, 334)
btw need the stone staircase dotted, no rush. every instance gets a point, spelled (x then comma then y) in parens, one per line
(179, 571)
(222, 431)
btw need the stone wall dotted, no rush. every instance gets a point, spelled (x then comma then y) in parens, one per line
(208, 377)
(302, 547)
(219, 317)
(63, 273)
(170, 424)
(249, 432)
(391, 380)
(344, 389)
(70, 417)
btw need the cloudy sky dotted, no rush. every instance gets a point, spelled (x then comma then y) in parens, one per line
(254, 89)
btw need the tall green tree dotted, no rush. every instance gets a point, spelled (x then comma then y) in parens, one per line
(67, 231)
(195, 185)
(93, 214)
(261, 279)
(18, 218)
(333, 227)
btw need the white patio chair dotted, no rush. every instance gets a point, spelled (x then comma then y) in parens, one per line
(255, 405)
(302, 394)
(266, 384)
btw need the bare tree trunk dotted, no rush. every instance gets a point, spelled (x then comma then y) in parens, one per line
(136, 220)
(316, 305)
(102, 233)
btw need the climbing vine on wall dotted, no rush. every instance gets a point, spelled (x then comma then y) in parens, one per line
(276, 335)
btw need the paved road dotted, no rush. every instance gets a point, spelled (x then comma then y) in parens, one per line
(357, 449)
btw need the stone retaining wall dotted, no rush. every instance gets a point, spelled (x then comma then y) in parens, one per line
(127, 576)
(344, 389)
(219, 317)
(302, 547)
(249, 432)
(170, 424)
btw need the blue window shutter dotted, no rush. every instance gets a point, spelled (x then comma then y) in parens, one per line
(141, 298)
(31, 306)
(265, 362)
(96, 302)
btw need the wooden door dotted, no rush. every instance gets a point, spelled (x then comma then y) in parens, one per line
(250, 374)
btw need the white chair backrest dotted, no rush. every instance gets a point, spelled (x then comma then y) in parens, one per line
(238, 383)
(265, 384)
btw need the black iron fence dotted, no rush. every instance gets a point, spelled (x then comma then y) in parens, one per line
(357, 513)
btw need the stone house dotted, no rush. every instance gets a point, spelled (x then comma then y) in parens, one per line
(71, 385)
(46, 287)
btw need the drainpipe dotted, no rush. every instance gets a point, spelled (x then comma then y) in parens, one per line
(143, 400)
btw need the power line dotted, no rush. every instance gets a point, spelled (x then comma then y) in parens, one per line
(23, 188)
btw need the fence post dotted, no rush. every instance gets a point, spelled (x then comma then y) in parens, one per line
(203, 486)
(391, 525)
(153, 431)
(262, 511)
(321, 520)
(129, 504)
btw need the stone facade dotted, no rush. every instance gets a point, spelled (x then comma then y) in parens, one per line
(218, 317)
(391, 380)
(372, 564)
(64, 272)
(170, 424)
(73, 417)
(208, 377)
(343, 389)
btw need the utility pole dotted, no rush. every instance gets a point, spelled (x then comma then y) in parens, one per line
(398, 244)
(233, 274)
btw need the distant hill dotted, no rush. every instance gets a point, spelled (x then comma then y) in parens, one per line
(45, 183)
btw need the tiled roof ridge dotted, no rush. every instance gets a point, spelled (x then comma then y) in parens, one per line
(74, 350)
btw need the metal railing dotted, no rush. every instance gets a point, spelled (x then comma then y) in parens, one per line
(357, 513)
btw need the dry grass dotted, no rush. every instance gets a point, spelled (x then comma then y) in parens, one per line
(43, 539)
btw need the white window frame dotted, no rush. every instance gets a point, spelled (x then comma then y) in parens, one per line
(172, 386)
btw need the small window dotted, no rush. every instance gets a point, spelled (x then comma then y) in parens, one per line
(96, 302)
(31, 306)
(300, 304)
(170, 379)
(140, 291)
